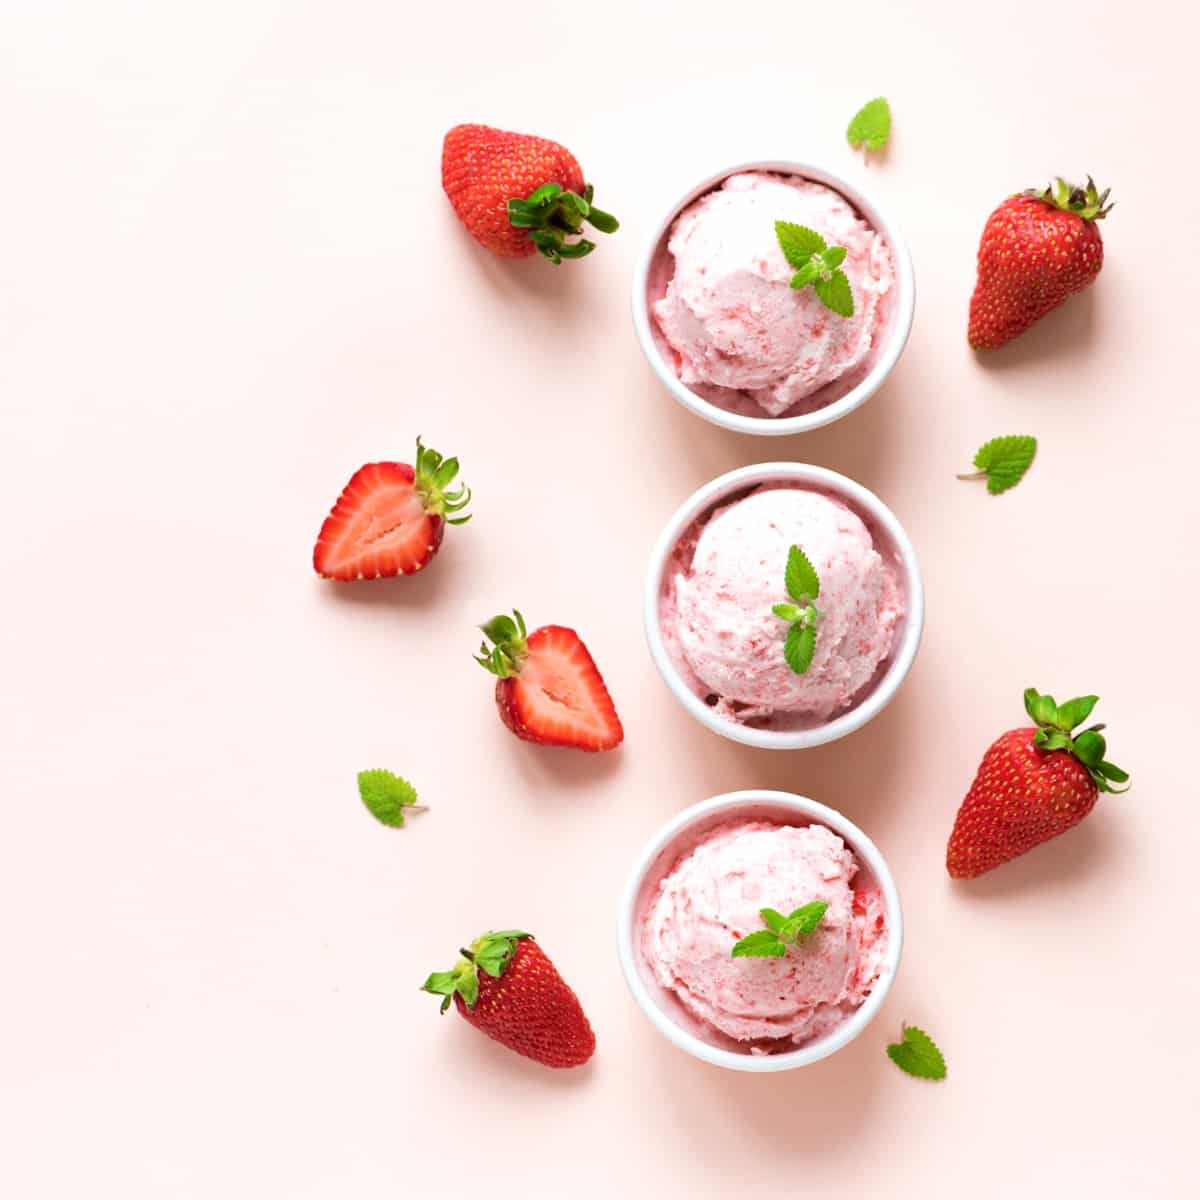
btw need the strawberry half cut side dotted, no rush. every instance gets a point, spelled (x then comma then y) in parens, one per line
(390, 518)
(548, 688)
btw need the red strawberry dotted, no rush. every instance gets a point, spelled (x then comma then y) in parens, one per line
(506, 987)
(1037, 249)
(1032, 785)
(548, 688)
(517, 194)
(390, 518)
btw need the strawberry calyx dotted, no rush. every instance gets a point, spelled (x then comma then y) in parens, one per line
(1055, 731)
(491, 953)
(433, 476)
(508, 651)
(1086, 202)
(551, 214)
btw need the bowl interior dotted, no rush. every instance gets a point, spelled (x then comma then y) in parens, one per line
(734, 409)
(672, 552)
(660, 856)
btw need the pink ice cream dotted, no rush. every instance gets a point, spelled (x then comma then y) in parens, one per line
(729, 313)
(711, 898)
(729, 571)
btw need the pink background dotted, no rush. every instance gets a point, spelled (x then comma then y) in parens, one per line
(228, 277)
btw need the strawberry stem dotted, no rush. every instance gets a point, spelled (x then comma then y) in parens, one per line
(507, 652)
(552, 214)
(1055, 731)
(433, 475)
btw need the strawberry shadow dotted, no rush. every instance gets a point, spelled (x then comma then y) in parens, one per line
(426, 589)
(471, 1055)
(1066, 333)
(545, 768)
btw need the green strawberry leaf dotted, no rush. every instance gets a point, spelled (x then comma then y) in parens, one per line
(799, 647)
(387, 796)
(835, 294)
(871, 126)
(1003, 461)
(800, 576)
(1112, 772)
(762, 943)
(1075, 712)
(798, 243)
(917, 1054)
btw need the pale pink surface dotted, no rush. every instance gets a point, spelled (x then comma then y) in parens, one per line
(717, 608)
(712, 897)
(729, 312)
(229, 278)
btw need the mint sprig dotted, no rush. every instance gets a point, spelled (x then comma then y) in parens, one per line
(803, 585)
(386, 796)
(1003, 461)
(781, 932)
(871, 126)
(818, 264)
(917, 1053)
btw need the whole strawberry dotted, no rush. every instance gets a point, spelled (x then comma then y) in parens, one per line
(1037, 249)
(518, 194)
(390, 518)
(506, 987)
(1033, 784)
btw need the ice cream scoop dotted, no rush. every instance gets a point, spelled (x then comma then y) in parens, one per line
(713, 897)
(730, 314)
(719, 609)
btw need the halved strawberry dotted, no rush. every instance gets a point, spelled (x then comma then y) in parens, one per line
(390, 518)
(548, 689)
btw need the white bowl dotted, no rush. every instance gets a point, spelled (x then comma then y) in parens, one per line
(903, 298)
(657, 857)
(890, 540)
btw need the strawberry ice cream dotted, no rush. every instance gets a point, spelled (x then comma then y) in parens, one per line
(711, 897)
(737, 331)
(727, 574)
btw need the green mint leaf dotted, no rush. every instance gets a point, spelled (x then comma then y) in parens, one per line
(800, 576)
(871, 125)
(834, 257)
(808, 916)
(760, 944)
(1003, 461)
(386, 796)
(835, 294)
(806, 275)
(799, 646)
(786, 612)
(1075, 712)
(917, 1054)
(773, 920)
(798, 242)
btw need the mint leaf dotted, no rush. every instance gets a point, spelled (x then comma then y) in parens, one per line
(798, 243)
(387, 796)
(834, 257)
(760, 944)
(800, 576)
(799, 646)
(835, 294)
(917, 1054)
(772, 919)
(786, 612)
(808, 916)
(1003, 461)
(871, 125)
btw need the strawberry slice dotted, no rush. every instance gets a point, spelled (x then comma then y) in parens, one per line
(548, 688)
(390, 518)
